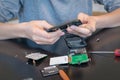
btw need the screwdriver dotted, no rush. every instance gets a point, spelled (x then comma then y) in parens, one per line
(116, 52)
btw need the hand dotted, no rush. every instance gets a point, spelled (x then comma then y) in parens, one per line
(86, 29)
(35, 30)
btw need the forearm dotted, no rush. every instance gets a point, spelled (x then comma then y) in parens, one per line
(108, 20)
(8, 31)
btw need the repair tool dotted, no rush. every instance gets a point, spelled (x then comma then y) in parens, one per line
(116, 52)
(63, 75)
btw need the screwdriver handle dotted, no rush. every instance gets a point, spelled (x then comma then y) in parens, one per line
(117, 52)
(63, 75)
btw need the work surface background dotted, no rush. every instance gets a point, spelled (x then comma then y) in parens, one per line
(14, 65)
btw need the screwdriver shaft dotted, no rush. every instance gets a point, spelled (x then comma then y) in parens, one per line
(116, 52)
(95, 52)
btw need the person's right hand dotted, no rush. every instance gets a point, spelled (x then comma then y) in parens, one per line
(86, 29)
(35, 31)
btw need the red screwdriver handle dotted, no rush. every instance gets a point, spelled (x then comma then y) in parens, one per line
(117, 52)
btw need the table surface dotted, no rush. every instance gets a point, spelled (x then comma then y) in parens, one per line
(14, 65)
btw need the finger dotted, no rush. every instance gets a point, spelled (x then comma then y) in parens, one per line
(46, 25)
(81, 34)
(83, 17)
(91, 24)
(42, 24)
(43, 33)
(57, 33)
(47, 42)
(74, 29)
(41, 40)
(50, 38)
(88, 21)
(86, 26)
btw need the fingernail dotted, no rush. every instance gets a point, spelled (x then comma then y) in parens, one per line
(62, 33)
(73, 27)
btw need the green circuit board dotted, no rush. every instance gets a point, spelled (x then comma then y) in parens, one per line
(79, 58)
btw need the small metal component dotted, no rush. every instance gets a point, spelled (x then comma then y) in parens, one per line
(34, 62)
(16, 56)
(27, 63)
(34, 57)
(28, 79)
(79, 50)
(50, 70)
(98, 39)
(26, 53)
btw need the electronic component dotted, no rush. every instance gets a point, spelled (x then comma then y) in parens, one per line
(77, 49)
(74, 41)
(50, 70)
(35, 56)
(64, 26)
(76, 44)
(59, 60)
(77, 56)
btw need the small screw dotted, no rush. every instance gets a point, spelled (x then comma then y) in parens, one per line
(16, 56)
(97, 40)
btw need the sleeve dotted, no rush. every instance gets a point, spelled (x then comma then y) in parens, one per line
(109, 5)
(9, 9)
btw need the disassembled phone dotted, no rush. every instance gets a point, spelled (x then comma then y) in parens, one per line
(77, 49)
(76, 44)
(77, 53)
(64, 26)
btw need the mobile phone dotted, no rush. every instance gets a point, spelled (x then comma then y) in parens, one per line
(65, 25)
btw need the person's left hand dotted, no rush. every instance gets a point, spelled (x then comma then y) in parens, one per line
(87, 27)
